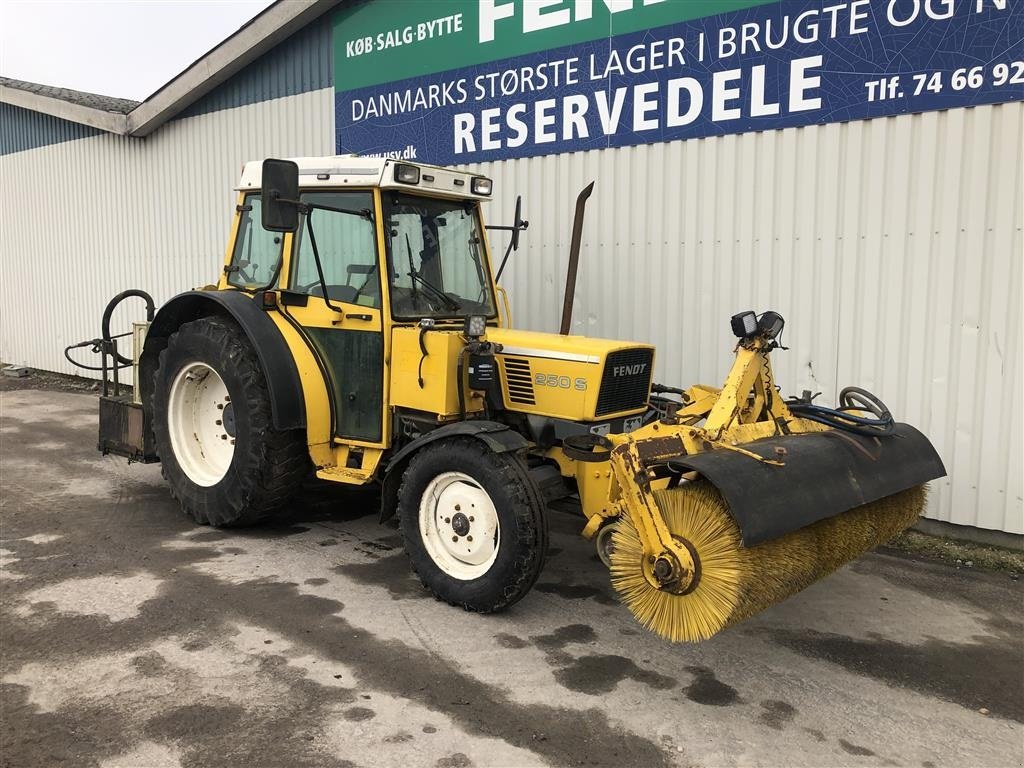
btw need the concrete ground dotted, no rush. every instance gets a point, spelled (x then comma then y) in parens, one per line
(131, 637)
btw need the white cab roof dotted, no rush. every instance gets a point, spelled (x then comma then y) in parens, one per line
(353, 171)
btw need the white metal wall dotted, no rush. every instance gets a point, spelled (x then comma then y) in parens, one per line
(83, 220)
(893, 247)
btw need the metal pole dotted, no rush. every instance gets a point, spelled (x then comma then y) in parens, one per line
(117, 378)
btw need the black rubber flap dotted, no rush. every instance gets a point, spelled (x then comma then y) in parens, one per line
(824, 474)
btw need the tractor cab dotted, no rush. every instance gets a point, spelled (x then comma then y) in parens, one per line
(403, 239)
(360, 256)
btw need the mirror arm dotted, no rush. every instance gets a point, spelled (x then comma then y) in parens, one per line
(518, 225)
(504, 259)
(305, 208)
(316, 260)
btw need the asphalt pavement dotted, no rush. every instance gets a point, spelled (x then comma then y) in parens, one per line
(131, 637)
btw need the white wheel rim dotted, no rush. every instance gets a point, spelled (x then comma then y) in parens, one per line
(459, 526)
(200, 420)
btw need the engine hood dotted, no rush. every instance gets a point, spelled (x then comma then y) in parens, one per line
(573, 377)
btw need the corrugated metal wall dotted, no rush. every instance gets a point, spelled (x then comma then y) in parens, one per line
(22, 129)
(893, 247)
(302, 63)
(83, 220)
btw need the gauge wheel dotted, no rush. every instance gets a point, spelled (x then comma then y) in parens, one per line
(474, 524)
(219, 451)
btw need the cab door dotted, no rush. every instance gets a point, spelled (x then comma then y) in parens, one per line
(345, 327)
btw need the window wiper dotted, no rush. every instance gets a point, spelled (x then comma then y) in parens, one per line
(436, 292)
(433, 289)
(412, 268)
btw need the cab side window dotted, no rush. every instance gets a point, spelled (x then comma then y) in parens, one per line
(257, 252)
(346, 241)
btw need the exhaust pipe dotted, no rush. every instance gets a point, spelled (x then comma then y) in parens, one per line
(574, 258)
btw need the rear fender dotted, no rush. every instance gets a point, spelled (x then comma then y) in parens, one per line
(276, 359)
(500, 438)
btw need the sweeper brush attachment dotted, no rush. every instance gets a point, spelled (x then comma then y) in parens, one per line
(735, 582)
(737, 499)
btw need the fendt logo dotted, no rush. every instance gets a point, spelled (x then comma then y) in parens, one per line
(629, 370)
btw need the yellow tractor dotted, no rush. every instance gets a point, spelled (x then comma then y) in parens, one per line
(358, 332)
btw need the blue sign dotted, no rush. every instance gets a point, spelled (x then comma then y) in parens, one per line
(779, 65)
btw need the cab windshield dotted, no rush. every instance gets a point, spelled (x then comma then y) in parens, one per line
(435, 258)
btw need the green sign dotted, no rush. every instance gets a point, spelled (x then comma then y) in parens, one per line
(378, 41)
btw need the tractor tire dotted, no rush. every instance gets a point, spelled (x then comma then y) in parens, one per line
(474, 524)
(225, 464)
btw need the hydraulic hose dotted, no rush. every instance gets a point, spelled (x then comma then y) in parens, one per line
(106, 339)
(120, 360)
(97, 346)
(879, 424)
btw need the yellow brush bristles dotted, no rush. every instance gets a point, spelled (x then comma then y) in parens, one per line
(736, 582)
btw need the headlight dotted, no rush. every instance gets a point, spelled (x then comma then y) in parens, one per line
(407, 174)
(480, 186)
(744, 325)
(476, 326)
(770, 325)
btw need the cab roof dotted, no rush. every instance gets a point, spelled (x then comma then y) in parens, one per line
(353, 171)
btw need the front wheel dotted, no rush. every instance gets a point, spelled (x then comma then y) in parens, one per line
(219, 451)
(473, 523)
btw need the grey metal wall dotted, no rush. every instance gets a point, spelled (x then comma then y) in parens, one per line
(893, 247)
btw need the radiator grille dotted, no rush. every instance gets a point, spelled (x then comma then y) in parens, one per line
(519, 380)
(626, 381)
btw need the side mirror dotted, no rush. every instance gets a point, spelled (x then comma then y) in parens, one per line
(280, 195)
(518, 225)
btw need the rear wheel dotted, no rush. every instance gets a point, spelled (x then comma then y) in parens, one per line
(473, 523)
(219, 451)
(201, 423)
